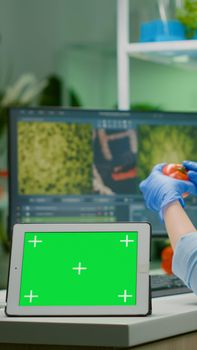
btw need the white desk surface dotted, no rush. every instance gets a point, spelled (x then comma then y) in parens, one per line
(171, 316)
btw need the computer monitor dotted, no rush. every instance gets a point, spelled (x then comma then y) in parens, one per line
(86, 165)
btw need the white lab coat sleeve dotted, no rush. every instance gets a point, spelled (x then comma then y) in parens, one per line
(184, 264)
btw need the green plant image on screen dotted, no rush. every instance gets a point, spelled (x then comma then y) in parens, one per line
(166, 143)
(79, 269)
(54, 158)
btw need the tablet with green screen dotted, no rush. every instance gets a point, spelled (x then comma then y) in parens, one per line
(79, 269)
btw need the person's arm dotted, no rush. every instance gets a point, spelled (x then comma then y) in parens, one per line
(183, 238)
(164, 195)
(177, 222)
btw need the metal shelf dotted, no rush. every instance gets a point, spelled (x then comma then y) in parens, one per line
(169, 52)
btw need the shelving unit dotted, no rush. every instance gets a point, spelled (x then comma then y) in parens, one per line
(183, 52)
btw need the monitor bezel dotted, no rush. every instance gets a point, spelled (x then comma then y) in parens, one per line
(108, 112)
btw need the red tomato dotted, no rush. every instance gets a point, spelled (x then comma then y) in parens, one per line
(177, 171)
(166, 259)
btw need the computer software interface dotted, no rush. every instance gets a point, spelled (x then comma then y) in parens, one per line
(71, 166)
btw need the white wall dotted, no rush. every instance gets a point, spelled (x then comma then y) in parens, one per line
(35, 32)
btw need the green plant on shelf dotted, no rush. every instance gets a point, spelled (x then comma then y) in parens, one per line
(187, 15)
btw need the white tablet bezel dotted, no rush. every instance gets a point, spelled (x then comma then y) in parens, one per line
(143, 298)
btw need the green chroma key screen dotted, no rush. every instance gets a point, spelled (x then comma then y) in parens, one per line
(79, 269)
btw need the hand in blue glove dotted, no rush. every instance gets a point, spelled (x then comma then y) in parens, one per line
(160, 190)
(192, 173)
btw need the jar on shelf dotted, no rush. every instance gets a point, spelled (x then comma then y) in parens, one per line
(157, 20)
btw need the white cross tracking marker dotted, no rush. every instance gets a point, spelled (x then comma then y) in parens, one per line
(79, 268)
(35, 241)
(30, 296)
(127, 241)
(125, 296)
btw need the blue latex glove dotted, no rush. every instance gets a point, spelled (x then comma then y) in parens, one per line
(192, 173)
(160, 190)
